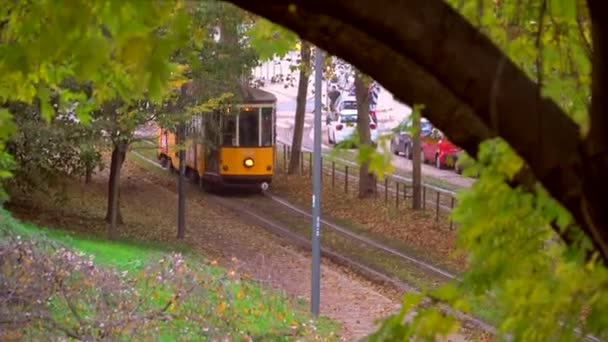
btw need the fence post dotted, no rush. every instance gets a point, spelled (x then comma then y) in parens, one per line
(437, 207)
(386, 189)
(423, 198)
(375, 186)
(284, 158)
(451, 207)
(310, 165)
(345, 178)
(397, 194)
(333, 173)
(321, 170)
(302, 163)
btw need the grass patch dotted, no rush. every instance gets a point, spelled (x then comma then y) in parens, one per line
(225, 304)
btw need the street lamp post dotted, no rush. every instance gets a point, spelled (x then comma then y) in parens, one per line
(181, 206)
(316, 190)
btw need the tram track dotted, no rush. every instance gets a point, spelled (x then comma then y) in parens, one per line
(294, 230)
(372, 260)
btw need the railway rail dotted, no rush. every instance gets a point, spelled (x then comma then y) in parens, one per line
(277, 216)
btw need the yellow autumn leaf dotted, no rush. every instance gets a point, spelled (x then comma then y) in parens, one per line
(220, 308)
(240, 294)
(199, 37)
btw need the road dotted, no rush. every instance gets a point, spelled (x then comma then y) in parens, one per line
(390, 113)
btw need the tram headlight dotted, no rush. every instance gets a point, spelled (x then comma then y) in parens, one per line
(248, 162)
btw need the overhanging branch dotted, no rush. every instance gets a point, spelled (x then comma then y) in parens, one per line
(425, 52)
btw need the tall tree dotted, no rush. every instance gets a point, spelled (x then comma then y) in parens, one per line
(416, 160)
(120, 121)
(298, 128)
(367, 185)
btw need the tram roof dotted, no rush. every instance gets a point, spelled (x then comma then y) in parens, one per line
(254, 95)
(245, 94)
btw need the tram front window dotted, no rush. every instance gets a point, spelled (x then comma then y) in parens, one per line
(267, 128)
(249, 128)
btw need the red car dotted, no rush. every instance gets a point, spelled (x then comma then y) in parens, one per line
(436, 148)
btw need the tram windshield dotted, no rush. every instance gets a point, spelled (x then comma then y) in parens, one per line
(255, 128)
(267, 126)
(249, 127)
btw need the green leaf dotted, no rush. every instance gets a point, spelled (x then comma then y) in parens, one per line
(270, 39)
(446, 293)
(7, 125)
(46, 109)
(564, 8)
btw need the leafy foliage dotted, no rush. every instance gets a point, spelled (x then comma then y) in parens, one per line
(224, 58)
(270, 40)
(550, 43)
(530, 284)
(109, 49)
(546, 289)
(47, 153)
(121, 47)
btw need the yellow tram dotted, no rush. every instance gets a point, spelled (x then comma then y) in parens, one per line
(228, 149)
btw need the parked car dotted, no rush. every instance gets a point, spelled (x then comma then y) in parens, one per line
(402, 139)
(342, 123)
(438, 149)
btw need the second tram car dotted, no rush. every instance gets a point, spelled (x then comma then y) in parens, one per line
(228, 149)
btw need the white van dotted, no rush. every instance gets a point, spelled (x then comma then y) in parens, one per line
(342, 123)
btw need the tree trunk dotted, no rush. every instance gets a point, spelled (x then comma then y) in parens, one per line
(88, 172)
(416, 161)
(181, 200)
(595, 144)
(366, 179)
(298, 129)
(113, 214)
(88, 176)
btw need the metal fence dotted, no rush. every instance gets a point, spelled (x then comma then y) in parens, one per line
(395, 189)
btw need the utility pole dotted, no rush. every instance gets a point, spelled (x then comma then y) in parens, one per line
(181, 199)
(316, 190)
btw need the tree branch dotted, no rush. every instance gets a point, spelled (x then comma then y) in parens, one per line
(432, 50)
(581, 32)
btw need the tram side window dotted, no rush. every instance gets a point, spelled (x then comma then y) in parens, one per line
(229, 131)
(267, 128)
(248, 128)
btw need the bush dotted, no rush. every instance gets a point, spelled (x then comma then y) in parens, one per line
(47, 289)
